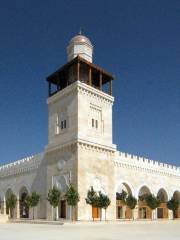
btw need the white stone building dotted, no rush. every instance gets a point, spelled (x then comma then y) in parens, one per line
(80, 150)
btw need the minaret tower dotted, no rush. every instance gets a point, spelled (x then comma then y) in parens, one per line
(80, 146)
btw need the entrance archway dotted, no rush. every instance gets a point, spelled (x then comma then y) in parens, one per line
(144, 211)
(123, 211)
(176, 196)
(162, 210)
(60, 183)
(24, 209)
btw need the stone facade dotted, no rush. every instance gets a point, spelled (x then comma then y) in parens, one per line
(80, 151)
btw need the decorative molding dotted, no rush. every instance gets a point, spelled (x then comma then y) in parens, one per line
(84, 89)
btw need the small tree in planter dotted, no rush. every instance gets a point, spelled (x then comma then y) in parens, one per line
(152, 201)
(173, 205)
(131, 202)
(54, 198)
(92, 198)
(106, 202)
(33, 200)
(73, 198)
(11, 203)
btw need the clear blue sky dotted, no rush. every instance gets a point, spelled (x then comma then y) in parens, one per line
(138, 41)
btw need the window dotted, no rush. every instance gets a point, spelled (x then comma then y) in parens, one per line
(63, 124)
(92, 122)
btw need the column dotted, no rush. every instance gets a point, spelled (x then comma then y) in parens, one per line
(154, 214)
(100, 81)
(135, 213)
(170, 214)
(18, 208)
(90, 77)
(49, 90)
(78, 71)
(4, 206)
(110, 87)
(124, 212)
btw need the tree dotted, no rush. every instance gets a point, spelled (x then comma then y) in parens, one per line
(131, 202)
(152, 201)
(92, 198)
(54, 197)
(106, 203)
(121, 196)
(33, 200)
(11, 203)
(73, 198)
(173, 205)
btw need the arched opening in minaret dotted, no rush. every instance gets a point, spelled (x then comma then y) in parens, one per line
(122, 210)
(144, 212)
(176, 196)
(24, 209)
(162, 210)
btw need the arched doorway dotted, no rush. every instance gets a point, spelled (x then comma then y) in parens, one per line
(162, 210)
(123, 211)
(24, 209)
(144, 211)
(60, 183)
(176, 196)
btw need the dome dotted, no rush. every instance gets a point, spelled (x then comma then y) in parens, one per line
(81, 46)
(80, 39)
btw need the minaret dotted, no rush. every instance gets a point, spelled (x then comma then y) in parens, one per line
(80, 146)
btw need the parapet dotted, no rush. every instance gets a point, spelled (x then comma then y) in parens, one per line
(145, 163)
(24, 165)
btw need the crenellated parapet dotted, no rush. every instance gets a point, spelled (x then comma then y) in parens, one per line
(144, 164)
(21, 166)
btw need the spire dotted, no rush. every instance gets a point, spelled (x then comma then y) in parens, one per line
(80, 31)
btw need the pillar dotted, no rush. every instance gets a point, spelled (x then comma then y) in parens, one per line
(90, 76)
(78, 71)
(4, 206)
(18, 209)
(154, 214)
(110, 87)
(124, 212)
(135, 213)
(49, 90)
(170, 214)
(100, 81)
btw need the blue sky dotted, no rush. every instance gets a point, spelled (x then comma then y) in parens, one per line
(138, 41)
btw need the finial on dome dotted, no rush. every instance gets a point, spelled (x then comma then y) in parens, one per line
(80, 31)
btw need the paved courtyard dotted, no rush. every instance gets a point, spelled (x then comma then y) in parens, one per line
(130, 230)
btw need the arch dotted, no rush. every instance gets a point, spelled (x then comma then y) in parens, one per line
(144, 212)
(124, 187)
(24, 209)
(143, 191)
(176, 195)
(162, 195)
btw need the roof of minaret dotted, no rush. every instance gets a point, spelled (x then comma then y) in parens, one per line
(80, 39)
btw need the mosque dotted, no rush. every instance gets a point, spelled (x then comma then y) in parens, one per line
(80, 150)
